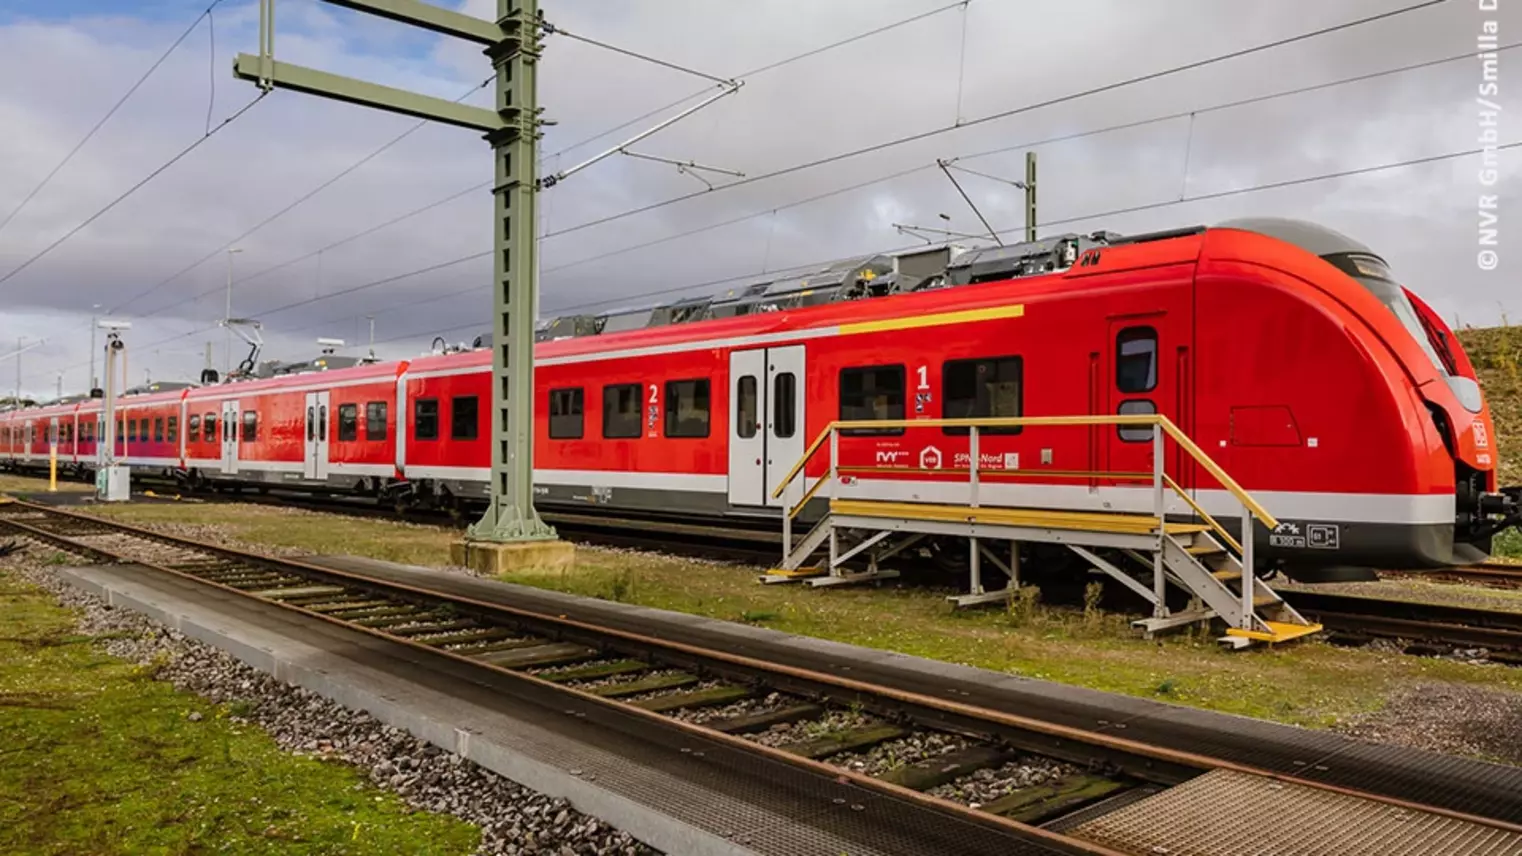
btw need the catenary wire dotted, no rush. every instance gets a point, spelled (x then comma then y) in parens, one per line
(133, 189)
(1002, 114)
(109, 113)
(772, 66)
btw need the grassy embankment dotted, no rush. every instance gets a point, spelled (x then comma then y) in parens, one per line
(96, 757)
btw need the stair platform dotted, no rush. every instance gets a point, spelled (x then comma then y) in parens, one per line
(1278, 631)
(1119, 523)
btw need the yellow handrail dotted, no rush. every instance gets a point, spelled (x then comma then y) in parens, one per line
(1158, 419)
(1198, 509)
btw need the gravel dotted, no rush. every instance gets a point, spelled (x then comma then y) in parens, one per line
(1457, 719)
(796, 732)
(743, 707)
(512, 819)
(985, 786)
(901, 752)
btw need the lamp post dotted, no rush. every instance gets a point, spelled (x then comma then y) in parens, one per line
(227, 367)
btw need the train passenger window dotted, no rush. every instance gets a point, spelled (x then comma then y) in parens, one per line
(464, 418)
(158, 430)
(311, 423)
(872, 393)
(250, 426)
(745, 420)
(1135, 433)
(132, 430)
(119, 435)
(566, 416)
(193, 429)
(172, 429)
(784, 405)
(348, 423)
(687, 408)
(425, 418)
(621, 411)
(211, 427)
(982, 388)
(1136, 359)
(375, 420)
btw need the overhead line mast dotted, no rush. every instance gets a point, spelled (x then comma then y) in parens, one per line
(513, 43)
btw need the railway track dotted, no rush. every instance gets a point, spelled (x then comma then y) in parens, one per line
(1096, 793)
(1494, 574)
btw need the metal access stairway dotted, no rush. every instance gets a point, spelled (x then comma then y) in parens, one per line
(1144, 552)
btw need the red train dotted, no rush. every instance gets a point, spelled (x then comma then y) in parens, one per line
(1290, 353)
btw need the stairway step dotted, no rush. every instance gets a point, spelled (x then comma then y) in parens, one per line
(1227, 575)
(1277, 632)
(1265, 598)
(1206, 549)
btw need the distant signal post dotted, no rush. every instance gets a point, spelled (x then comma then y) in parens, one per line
(510, 533)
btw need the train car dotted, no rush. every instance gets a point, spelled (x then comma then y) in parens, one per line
(1289, 352)
(319, 430)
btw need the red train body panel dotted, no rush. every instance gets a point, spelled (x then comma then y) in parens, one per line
(1287, 352)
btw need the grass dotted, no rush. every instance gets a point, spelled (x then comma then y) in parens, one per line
(22, 484)
(98, 758)
(1497, 356)
(1306, 683)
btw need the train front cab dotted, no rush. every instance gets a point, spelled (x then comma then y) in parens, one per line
(1333, 404)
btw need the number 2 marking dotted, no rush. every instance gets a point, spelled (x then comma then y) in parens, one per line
(653, 394)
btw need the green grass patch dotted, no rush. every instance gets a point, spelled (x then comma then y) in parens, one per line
(97, 758)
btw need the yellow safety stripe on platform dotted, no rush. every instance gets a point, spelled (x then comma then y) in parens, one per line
(1281, 632)
(939, 318)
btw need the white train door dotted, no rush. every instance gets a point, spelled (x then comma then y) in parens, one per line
(766, 410)
(315, 460)
(229, 437)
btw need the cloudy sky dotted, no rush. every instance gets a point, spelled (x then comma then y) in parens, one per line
(158, 258)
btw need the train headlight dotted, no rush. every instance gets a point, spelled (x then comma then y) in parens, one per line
(1467, 392)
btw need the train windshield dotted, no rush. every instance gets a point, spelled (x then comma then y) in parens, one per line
(1373, 274)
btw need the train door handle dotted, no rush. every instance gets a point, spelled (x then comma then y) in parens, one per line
(758, 462)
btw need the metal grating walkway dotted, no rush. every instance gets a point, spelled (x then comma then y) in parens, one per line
(1225, 813)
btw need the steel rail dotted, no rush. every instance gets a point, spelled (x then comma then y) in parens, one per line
(1061, 734)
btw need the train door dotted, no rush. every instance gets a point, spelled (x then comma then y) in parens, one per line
(766, 410)
(315, 458)
(1138, 376)
(26, 454)
(55, 438)
(229, 437)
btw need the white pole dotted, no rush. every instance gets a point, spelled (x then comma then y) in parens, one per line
(94, 380)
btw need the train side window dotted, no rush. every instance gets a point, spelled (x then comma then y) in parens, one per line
(172, 429)
(1136, 359)
(193, 429)
(567, 420)
(464, 418)
(745, 419)
(1135, 407)
(348, 423)
(158, 430)
(132, 430)
(375, 420)
(784, 405)
(210, 423)
(687, 408)
(425, 418)
(119, 435)
(250, 426)
(876, 392)
(990, 387)
(621, 411)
